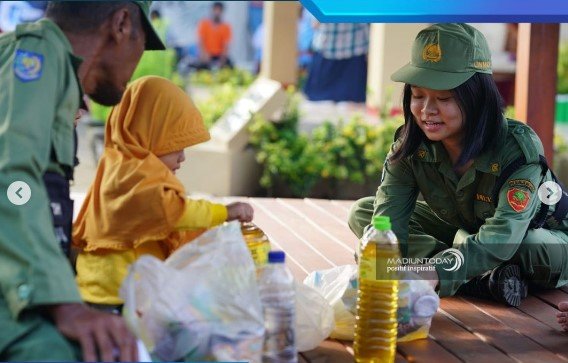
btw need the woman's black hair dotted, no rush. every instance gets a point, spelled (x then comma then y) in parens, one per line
(481, 106)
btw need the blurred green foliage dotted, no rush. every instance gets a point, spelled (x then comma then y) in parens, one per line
(349, 151)
(234, 77)
(221, 99)
(562, 83)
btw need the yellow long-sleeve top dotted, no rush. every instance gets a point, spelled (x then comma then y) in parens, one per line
(136, 205)
(100, 273)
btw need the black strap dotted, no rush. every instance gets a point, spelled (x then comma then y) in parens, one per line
(561, 207)
(540, 218)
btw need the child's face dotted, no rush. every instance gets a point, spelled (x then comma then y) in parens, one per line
(173, 160)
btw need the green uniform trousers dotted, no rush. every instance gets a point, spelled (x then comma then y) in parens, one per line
(542, 255)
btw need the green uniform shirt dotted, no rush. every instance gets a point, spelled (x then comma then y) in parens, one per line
(39, 97)
(487, 235)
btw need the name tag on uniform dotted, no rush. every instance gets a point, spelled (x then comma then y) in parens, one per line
(28, 65)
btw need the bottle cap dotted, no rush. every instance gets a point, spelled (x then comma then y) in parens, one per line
(382, 223)
(276, 256)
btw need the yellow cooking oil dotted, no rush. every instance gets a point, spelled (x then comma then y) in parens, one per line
(257, 243)
(377, 297)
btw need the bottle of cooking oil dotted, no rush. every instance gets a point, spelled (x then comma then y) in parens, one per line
(257, 242)
(376, 321)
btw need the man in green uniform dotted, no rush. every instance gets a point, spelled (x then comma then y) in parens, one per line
(90, 47)
(487, 210)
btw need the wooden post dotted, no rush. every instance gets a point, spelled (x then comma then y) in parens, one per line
(389, 49)
(279, 51)
(535, 82)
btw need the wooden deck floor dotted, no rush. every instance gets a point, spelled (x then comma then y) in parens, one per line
(315, 236)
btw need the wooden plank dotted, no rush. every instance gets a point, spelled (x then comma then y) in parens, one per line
(277, 236)
(335, 230)
(535, 330)
(464, 344)
(331, 208)
(341, 357)
(330, 351)
(494, 332)
(345, 204)
(399, 358)
(308, 234)
(552, 297)
(283, 234)
(540, 311)
(425, 351)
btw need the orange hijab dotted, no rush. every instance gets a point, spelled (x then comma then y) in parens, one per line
(135, 198)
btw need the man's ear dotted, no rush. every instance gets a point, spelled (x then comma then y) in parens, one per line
(121, 25)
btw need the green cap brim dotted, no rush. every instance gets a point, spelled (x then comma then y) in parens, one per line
(153, 41)
(430, 78)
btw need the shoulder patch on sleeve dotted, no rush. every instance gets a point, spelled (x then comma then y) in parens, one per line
(522, 183)
(518, 199)
(28, 66)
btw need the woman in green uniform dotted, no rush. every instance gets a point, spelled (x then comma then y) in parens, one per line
(479, 175)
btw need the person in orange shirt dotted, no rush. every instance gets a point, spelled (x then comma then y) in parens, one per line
(136, 205)
(214, 38)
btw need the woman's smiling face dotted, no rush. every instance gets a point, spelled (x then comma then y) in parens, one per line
(437, 113)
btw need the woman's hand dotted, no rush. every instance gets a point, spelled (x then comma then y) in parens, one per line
(242, 212)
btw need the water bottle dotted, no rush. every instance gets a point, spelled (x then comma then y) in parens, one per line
(278, 297)
(377, 296)
(257, 243)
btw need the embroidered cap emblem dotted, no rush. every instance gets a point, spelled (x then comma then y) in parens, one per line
(432, 53)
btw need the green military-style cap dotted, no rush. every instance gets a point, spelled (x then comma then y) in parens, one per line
(153, 41)
(444, 56)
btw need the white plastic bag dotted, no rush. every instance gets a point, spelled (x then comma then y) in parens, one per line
(201, 303)
(314, 318)
(417, 302)
(339, 287)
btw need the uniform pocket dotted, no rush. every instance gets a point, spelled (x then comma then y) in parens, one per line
(442, 204)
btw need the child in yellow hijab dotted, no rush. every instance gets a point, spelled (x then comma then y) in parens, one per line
(136, 205)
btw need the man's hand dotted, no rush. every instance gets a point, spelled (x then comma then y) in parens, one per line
(242, 212)
(103, 337)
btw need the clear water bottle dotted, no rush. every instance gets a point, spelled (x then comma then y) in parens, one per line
(278, 296)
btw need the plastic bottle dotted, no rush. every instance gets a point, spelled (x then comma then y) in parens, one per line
(278, 297)
(376, 321)
(257, 243)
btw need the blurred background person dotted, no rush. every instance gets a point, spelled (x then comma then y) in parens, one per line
(13, 13)
(214, 39)
(338, 71)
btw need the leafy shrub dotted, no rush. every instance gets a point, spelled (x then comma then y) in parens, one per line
(234, 77)
(562, 84)
(221, 99)
(352, 151)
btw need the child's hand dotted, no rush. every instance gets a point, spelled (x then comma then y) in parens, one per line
(242, 212)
